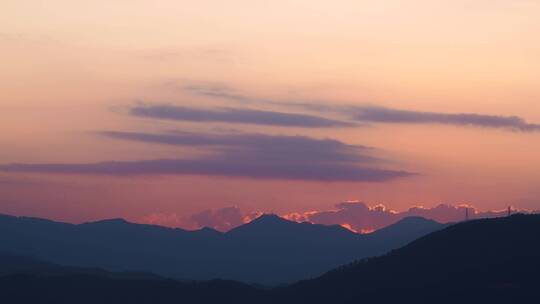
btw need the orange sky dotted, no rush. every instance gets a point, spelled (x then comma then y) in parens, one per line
(74, 68)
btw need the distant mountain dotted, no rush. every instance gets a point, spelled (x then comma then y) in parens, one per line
(407, 226)
(481, 261)
(269, 250)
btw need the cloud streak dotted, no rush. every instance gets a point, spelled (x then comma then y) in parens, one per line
(235, 115)
(378, 114)
(258, 146)
(240, 155)
(395, 116)
(219, 167)
(220, 92)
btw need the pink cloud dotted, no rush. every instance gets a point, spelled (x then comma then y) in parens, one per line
(222, 219)
(353, 215)
(360, 217)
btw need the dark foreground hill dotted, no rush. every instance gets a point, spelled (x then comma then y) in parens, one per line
(269, 250)
(25, 280)
(23, 265)
(483, 261)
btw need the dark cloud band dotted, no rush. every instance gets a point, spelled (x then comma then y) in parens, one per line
(241, 155)
(234, 115)
(219, 167)
(376, 114)
(258, 146)
(386, 115)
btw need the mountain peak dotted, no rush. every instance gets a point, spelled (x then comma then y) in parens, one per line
(111, 221)
(269, 218)
(265, 224)
(208, 231)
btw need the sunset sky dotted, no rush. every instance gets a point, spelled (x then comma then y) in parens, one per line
(157, 110)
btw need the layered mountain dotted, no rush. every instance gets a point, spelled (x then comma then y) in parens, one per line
(268, 250)
(482, 261)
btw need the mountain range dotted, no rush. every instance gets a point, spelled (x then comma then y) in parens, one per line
(269, 250)
(481, 261)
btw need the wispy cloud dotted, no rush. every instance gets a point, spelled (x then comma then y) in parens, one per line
(255, 146)
(219, 166)
(386, 115)
(241, 155)
(236, 115)
(219, 91)
(377, 114)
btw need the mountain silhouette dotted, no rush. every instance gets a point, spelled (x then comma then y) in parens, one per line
(17, 264)
(273, 226)
(28, 280)
(481, 261)
(409, 225)
(269, 250)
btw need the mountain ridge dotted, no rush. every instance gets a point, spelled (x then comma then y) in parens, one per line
(482, 261)
(270, 250)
